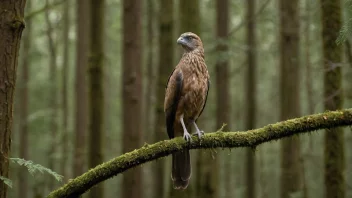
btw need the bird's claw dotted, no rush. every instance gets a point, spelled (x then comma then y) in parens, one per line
(200, 134)
(187, 137)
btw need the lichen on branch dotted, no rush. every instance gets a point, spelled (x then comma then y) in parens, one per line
(251, 138)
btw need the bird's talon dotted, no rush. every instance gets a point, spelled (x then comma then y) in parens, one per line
(187, 137)
(199, 133)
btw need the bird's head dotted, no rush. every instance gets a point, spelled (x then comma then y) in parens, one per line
(190, 41)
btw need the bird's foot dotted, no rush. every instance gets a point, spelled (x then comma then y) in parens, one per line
(199, 133)
(187, 136)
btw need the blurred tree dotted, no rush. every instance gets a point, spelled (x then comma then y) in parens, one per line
(189, 16)
(332, 57)
(150, 87)
(290, 180)
(96, 94)
(223, 98)
(251, 104)
(11, 26)
(23, 103)
(132, 93)
(53, 103)
(82, 46)
(65, 77)
(165, 65)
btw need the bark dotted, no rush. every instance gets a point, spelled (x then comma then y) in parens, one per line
(309, 82)
(165, 65)
(150, 87)
(96, 94)
(219, 139)
(81, 103)
(291, 181)
(222, 91)
(309, 86)
(53, 103)
(23, 105)
(251, 95)
(11, 26)
(333, 99)
(65, 77)
(132, 93)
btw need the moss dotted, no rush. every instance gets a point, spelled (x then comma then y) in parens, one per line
(251, 138)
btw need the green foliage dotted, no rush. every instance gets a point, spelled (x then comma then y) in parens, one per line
(345, 31)
(33, 168)
(6, 181)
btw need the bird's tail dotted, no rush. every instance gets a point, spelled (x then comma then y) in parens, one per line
(181, 169)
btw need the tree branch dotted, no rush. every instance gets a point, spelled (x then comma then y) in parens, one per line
(251, 138)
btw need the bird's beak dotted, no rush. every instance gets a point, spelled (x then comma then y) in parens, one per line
(181, 41)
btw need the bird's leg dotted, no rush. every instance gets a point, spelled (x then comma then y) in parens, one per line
(198, 132)
(186, 135)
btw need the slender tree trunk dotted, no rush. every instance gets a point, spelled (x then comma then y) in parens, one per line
(11, 26)
(132, 93)
(96, 95)
(333, 99)
(23, 105)
(81, 101)
(53, 103)
(65, 145)
(165, 65)
(150, 88)
(309, 86)
(251, 95)
(189, 16)
(223, 98)
(290, 95)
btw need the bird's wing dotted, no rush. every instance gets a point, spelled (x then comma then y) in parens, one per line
(206, 97)
(172, 97)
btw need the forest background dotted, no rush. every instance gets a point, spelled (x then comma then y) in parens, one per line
(91, 81)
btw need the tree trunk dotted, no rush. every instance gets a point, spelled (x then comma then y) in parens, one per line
(53, 103)
(165, 65)
(290, 95)
(223, 97)
(81, 101)
(132, 93)
(333, 99)
(23, 105)
(96, 95)
(189, 16)
(65, 145)
(11, 26)
(251, 95)
(150, 87)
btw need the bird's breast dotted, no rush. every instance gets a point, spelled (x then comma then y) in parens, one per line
(194, 90)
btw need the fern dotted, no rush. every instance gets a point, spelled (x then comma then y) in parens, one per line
(346, 29)
(33, 168)
(344, 32)
(6, 181)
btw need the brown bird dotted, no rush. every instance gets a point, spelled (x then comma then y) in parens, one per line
(185, 98)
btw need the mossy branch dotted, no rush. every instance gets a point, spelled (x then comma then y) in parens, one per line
(251, 138)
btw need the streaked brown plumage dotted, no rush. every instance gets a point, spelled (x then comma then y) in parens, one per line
(185, 99)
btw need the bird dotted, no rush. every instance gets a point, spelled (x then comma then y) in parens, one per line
(185, 98)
